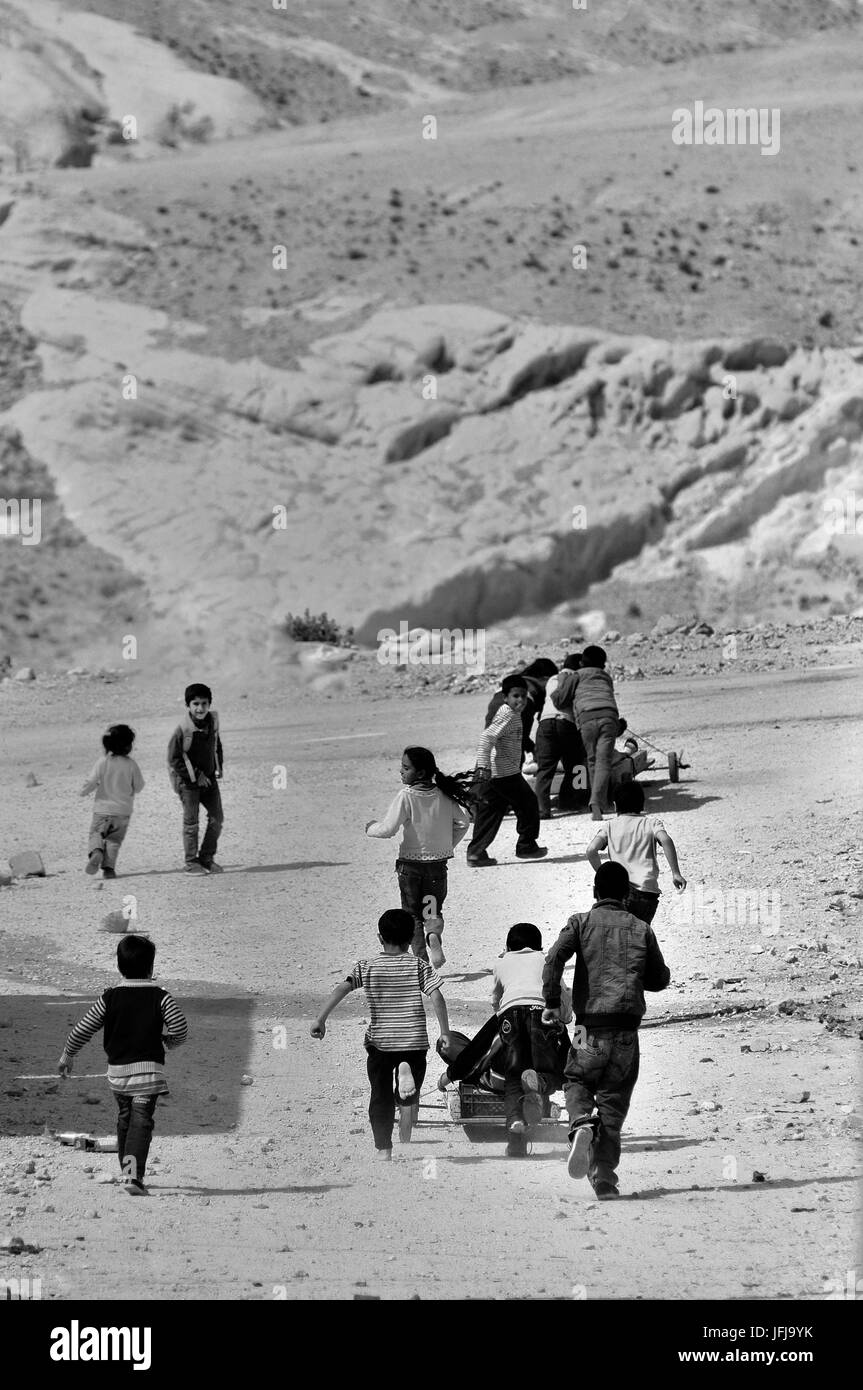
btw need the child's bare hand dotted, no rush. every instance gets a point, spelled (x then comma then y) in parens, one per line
(679, 881)
(550, 1016)
(203, 780)
(318, 1028)
(64, 1069)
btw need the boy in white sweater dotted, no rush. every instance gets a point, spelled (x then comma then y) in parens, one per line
(534, 1053)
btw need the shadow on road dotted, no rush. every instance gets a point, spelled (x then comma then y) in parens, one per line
(248, 869)
(772, 1185)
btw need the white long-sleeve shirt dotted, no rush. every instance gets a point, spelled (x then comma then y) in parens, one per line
(433, 824)
(115, 780)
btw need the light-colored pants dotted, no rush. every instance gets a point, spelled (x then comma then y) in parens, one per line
(107, 833)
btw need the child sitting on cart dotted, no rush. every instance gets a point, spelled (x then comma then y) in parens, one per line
(529, 1054)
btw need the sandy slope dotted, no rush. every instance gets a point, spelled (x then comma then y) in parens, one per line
(269, 1187)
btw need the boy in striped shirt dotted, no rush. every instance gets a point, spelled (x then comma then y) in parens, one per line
(140, 1020)
(498, 776)
(397, 1038)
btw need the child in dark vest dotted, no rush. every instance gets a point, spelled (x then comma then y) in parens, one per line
(195, 764)
(139, 1020)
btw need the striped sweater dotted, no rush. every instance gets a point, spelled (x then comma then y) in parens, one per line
(500, 747)
(139, 1019)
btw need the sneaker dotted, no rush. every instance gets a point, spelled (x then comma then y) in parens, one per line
(385, 1154)
(436, 955)
(535, 852)
(531, 1106)
(481, 861)
(605, 1191)
(211, 866)
(579, 1152)
(94, 862)
(517, 1127)
(195, 868)
(109, 873)
(133, 1188)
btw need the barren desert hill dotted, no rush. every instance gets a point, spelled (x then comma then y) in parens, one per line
(391, 342)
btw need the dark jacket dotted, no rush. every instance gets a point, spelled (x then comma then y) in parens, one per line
(205, 753)
(617, 957)
(588, 691)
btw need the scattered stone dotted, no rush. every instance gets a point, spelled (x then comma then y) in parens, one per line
(27, 864)
(25, 673)
(30, 1167)
(5, 879)
(31, 780)
(758, 1177)
(92, 1098)
(612, 636)
(247, 1080)
(104, 1179)
(799, 1097)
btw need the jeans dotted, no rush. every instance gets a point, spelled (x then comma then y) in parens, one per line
(419, 882)
(382, 1068)
(107, 833)
(558, 741)
(134, 1132)
(193, 798)
(599, 733)
(500, 794)
(529, 1043)
(603, 1073)
(642, 905)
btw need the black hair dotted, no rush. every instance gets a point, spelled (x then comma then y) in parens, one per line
(396, 927)
(572, 662)
(593, 656)
(524, 934)
(118, 739)
(543, 668)
(457, 788)
(612, 881)
(135, 956)
(197, 692)
(514, 682)
(629, 799)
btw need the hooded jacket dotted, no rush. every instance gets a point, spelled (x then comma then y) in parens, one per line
(617, 958)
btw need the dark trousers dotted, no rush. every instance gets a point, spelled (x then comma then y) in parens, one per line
(529, 1044)
(558, 741)
(107, 833)
(193, 798)
(423, 889)
(383, 1068)
(470, 1058)
(642, 905)
(599, 734)
(134, 1132)
(502, 794)
(602, 1073)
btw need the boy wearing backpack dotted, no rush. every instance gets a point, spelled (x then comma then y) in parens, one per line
(195, 767)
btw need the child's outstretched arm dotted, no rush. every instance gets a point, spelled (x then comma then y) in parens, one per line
(668, 846)
(599, 842)
(84, 1030)
(176, 1027)
(439, 1005)
(397, 814)
(92, 782)
(319, 1027)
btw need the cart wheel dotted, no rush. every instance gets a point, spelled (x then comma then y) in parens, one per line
(673, 768)
(454, 1100)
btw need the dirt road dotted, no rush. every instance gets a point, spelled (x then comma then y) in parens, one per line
(269, 1189)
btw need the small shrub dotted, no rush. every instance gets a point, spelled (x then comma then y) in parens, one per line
(317, 627)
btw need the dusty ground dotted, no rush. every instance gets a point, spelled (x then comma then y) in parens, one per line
(268, 1190)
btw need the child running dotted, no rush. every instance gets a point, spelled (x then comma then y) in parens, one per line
(499, 778)
(115, 779)
(617, 958)
(140, 1019)
(397, 1038)
(631, 839)
(432, 809)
